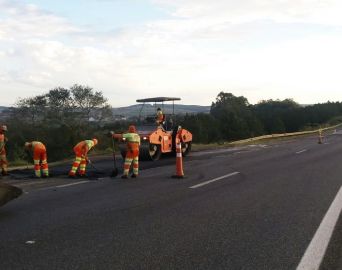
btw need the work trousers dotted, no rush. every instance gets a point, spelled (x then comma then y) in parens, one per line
(81, 163)
(40, 162)
(131, 157)
(3, 161)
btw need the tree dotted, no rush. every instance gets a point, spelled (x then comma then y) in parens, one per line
(235, 117)
(60, 118)
(278, 116)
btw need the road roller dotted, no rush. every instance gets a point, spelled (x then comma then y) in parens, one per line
(158, 139)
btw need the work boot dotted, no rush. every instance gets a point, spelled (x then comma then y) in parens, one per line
(4, 173)
(73, 176)
(82, 175)
(134, 175)
(124, 176)
(45, 176)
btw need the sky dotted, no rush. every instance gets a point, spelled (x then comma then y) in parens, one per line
(192, 49)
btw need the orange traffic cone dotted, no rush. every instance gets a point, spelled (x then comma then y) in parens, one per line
(179, 160)
(320, 137)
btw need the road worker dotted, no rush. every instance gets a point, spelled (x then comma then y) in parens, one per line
(132, 151)
(160, 118)
(39, 158)
(81, 150)
(3, 159)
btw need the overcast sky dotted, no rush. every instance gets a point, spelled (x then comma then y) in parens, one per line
(193, 49)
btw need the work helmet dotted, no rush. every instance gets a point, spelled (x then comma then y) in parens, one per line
(95, 141)
(132, 129)
(3, 128)
(27, 145)
(158, 109)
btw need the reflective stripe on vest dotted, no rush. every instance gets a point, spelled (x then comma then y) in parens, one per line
(89, 143)
(132, 137)
(36, 144)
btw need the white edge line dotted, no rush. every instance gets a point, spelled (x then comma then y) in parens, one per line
(214, 180)
(299, 152)
(73, 184)
(315, 252)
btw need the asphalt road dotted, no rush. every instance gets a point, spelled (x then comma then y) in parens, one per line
(258, 208)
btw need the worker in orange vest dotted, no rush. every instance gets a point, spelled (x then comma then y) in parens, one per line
(3, 159)
(39, 158)
(160, 118)
(132, 151)
(81, 150)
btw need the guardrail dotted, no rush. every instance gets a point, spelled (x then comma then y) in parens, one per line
(281, 135)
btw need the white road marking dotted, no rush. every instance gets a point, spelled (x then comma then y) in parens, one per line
(314, 254)
(214, 180)
(218, 151)
(31, 242)
(302, 151)
(39, 182)
(73, 184)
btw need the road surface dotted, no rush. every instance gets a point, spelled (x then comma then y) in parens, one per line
(252, 207)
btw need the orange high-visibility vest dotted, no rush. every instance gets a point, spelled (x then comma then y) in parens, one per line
(83, 147)
(133, 141)
(35, 146)
(2, 141)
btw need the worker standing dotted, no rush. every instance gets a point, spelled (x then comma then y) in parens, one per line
(160, 118)
(3, 159)
(132, 151)
(81, 150)
(39, 158)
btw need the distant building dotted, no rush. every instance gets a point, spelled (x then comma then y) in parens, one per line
(5, 113)
(119, 117)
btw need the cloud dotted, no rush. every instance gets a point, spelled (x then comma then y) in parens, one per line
(308, 11)
(261, 49)
(29, 21)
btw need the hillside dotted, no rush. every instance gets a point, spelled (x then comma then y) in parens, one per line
(3, 108)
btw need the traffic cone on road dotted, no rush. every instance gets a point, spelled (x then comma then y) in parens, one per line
(320, 136)
(179, 160)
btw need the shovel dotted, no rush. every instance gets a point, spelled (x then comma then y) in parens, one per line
(93, 166)
(115, 170)
(97, 171)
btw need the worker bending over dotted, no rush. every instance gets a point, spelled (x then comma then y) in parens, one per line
(3, 159)
(81, 150)
(39, 158)
(132, 151)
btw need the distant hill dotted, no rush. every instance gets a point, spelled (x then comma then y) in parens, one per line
(148, 109)
(3, 108)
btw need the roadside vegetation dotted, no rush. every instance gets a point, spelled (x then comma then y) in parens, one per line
(62, 117)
